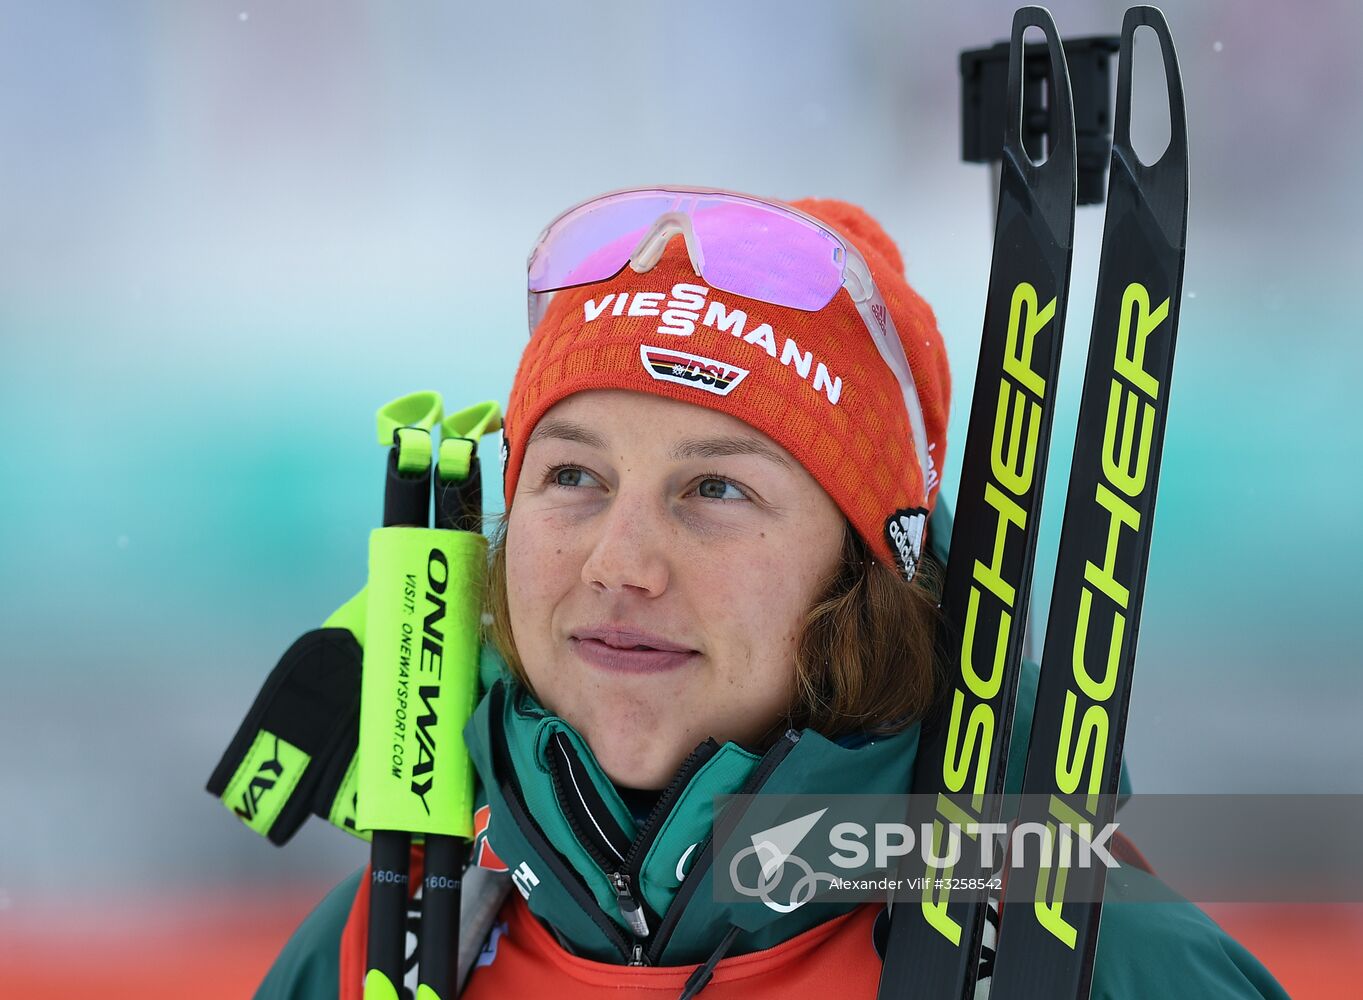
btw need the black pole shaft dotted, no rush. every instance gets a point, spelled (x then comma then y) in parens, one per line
(459, 507)
(406, 501)
(440, 898)
(388, 861)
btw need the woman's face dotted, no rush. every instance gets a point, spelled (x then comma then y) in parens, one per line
(661, 559)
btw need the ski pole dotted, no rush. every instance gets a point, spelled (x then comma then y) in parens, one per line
(934, 940)
(459, 510)
(1051, 913)
(389, 797)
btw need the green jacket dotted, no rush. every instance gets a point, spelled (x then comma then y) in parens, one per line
(527, 760)
(1145, 949)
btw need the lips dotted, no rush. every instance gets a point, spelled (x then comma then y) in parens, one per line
(623, 637)
(629, 650)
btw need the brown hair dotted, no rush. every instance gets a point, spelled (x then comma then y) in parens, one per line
(865, 659)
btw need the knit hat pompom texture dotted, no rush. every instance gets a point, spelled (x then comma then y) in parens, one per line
(814, 382)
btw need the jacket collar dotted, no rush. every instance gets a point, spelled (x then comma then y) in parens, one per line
(617, 890)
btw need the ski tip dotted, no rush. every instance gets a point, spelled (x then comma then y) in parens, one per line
(1147, 16)
(1061, 145)
(1032, 15)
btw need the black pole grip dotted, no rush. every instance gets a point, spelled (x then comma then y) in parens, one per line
(459, 502)
(406, 496)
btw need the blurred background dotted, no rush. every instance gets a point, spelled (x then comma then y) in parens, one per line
(232, 230)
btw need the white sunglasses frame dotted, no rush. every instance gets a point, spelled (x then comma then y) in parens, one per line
(856, 279)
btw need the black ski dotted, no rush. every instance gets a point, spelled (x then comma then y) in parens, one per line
(934, 939)
(1050, 918)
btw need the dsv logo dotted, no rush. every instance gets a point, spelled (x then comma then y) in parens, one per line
(691, 370)
(266, 777)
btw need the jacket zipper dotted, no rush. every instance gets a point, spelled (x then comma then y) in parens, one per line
(623, 871)
(632, 952)
(705, 852)
(572, 883)
(629, 907)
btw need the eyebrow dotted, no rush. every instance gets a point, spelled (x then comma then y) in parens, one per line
(719, 447)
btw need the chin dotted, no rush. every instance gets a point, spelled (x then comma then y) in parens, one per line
(645, 762)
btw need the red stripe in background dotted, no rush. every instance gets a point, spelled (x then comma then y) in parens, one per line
(219, 946)
(1313, 949)
(212, 946)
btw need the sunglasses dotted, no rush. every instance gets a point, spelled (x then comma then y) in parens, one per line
(737, 243)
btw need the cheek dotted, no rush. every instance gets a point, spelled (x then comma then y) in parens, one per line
(541, 568)
(765, 618)
(758, 602)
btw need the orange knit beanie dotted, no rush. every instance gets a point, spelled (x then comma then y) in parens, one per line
(813, 382)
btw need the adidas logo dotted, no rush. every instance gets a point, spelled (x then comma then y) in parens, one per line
(904, 529)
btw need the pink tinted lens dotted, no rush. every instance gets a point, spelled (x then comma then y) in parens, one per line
(753, 250)
(763, 253)
(595, 243)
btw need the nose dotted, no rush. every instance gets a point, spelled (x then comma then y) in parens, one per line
(629, 549)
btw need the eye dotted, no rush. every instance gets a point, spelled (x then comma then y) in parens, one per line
(715, 487)
(567, 476)
(709, 487)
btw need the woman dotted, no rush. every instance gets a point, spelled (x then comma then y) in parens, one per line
(721, 450)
